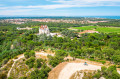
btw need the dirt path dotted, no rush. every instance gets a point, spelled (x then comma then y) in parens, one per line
(71, 68)
(66, 69)
(37, 54)
(56, 71)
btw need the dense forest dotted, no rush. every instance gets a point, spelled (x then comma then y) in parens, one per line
(107, 45)
(95, 47)
(115, 23)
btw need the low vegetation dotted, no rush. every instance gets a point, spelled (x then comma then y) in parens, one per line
(58, 58)
(98, 47)
(107, 73)
(99, 29)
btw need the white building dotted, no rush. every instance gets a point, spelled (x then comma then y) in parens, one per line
(43, 29)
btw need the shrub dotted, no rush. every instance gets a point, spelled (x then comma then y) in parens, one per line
(26, 54)
(29, 54)
(91, 59)
(0, 64)
(10, 78)
(32, 53)
(97, 75)
(61, 53)
(16, 57)
(4, 61)
(30, 62)
(23, 78)
(103, 62)
(39, 63)
(3, 76)
(42, 73)
(54, 61)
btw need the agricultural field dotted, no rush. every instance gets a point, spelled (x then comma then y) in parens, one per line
(108, 29)
(99, 29)
(85, 27)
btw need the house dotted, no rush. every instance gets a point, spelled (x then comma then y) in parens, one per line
(43, 29)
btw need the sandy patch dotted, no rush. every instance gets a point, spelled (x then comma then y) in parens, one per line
(56, 71)
(71, 68)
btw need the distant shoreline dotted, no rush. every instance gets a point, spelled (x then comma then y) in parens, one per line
(57, 17)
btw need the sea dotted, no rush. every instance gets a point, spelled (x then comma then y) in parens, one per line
(58, 17)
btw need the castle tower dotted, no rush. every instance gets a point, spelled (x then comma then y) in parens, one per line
(43, 29)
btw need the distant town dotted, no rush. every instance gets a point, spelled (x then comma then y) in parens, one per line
(74, 21)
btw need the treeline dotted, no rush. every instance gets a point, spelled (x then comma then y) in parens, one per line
(91, 46)
(53, 26)
(114, 23)
(104, 73)
(107, 73)
(9, 36)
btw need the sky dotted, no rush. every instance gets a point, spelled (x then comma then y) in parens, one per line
(59, 7)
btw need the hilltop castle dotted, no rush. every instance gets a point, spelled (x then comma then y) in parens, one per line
(43, 29)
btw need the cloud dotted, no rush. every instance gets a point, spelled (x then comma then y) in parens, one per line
(7, 10)
(1, 4)
(85, 1)
(68, 4)
(15, 12)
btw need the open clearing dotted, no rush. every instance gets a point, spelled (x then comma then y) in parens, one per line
(71, 68)
(66, 69)
(99, 29)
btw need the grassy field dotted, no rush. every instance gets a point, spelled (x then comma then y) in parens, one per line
(99, 29)
(85, 27)
(108, 29)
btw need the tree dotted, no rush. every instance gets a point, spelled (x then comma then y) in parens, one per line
(26, 54)
(116, 59)
(39, 63)
(30, 62)
(61, 53)
(32, 53)
(40, 74)
(54, 61)
(29, 54)
(3, 76)
(114, 45)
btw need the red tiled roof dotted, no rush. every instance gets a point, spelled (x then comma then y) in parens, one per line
(43, 27)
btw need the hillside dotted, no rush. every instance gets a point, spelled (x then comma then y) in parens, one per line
(28, 54)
